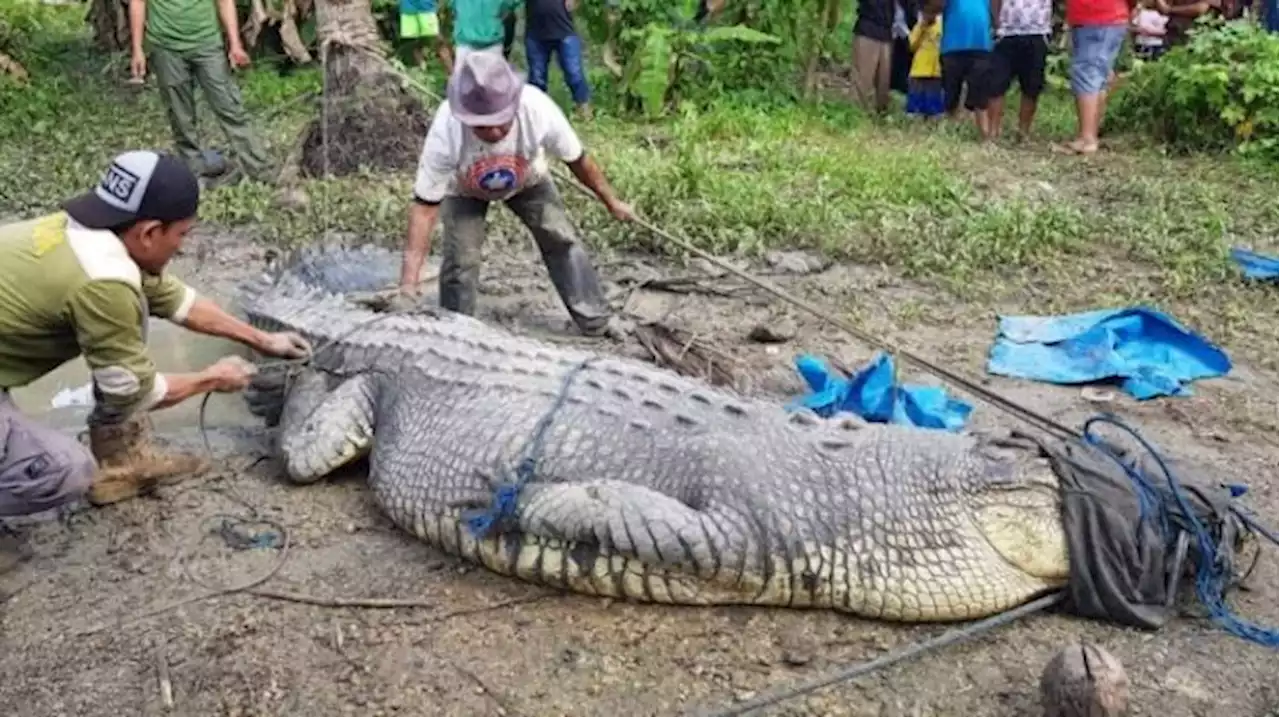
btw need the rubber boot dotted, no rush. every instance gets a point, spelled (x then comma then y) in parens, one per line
(130, 463)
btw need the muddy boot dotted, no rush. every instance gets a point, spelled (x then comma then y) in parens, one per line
(615, 329)
(130, 463)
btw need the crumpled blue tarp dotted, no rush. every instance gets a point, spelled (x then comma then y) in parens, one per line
(1151, 353)
(871, 394)
(1255, 265)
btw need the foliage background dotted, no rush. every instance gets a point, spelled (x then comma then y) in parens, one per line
(1219, 92)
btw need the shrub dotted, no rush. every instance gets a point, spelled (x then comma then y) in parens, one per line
(1217, 92)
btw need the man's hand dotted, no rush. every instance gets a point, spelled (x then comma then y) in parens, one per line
(138, 67)
(621, 211)
(231, 374)
(237, 56)
(406, 299)
(285, 344)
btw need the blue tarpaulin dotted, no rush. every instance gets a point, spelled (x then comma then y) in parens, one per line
(872, 394)
(1255, 265)
(1150, 353)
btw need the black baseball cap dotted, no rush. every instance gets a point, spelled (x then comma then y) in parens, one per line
(141, 184)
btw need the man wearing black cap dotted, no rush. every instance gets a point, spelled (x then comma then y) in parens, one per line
(490, 141)
(81, 282)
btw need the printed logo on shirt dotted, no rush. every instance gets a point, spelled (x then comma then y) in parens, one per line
(496, 176)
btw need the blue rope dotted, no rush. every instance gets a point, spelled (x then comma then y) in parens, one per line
(1213, 566)
(507, 496)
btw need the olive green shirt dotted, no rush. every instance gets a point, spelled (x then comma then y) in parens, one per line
(183, 25)
(68, 291)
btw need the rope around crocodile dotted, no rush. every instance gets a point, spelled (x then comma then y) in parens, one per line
(1209, 576)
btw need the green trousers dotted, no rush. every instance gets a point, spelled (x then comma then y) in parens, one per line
(178, 74)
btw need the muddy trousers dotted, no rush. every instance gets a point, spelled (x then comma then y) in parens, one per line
(40, 468)
(541, 209)
(178, 74)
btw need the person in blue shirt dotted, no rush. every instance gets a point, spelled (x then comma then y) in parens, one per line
(969, 66)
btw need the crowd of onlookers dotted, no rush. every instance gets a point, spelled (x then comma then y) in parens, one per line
(490, 25)
(941, 54)
(945, 53)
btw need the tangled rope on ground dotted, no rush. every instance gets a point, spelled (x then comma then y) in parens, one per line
(1214, 556)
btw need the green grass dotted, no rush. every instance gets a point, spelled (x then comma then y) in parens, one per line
(1012, 224)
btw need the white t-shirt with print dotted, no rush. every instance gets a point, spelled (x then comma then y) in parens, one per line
(1153, 26)
(455, 162)
(1025, 17)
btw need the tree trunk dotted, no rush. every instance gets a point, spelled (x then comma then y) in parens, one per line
(110, 21)
(368, 118)
(275, 23)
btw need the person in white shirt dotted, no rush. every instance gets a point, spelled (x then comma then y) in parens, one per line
(1149, 29)
(490, 141)
(1022, 31)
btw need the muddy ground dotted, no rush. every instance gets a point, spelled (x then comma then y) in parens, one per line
(487, 645)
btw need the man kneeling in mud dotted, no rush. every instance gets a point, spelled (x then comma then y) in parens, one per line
(83, 281)
(489, 142)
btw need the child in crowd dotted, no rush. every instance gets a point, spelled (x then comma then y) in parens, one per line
(924, 85)
(420, 27)
(1149, 29)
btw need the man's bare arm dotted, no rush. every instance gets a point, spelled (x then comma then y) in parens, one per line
(230, 22)
(137, 24)
(422, 221)
(588, 172)
(181, 386)
(207, 318)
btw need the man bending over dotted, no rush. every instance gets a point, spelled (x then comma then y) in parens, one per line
(82, 282)
(489, 142)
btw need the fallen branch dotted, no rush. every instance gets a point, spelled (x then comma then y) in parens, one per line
(371, 603)
(486, 690)
(686, 353)
(683, 285)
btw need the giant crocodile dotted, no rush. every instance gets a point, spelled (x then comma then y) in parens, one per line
(649, 485)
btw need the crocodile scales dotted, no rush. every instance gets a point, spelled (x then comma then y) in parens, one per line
(652, 486)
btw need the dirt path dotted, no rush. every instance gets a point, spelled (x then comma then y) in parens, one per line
(488, 645)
